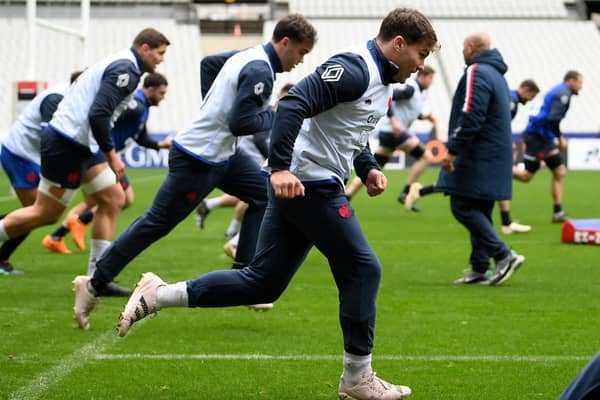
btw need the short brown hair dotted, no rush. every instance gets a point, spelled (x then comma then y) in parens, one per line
(572, 74)
(530, 85)
(426, 71)
(413, 26)
(75, 75)
(154, 79)
(295, 27)
(151, 37)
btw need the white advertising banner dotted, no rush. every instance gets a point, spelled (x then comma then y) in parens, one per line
(583, 154)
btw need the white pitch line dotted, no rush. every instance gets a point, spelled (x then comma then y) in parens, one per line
(7, 198)
(331, 357)
(50, 377)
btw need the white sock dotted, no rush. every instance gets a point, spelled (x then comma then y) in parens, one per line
(213, 203)
(234, 227)
(354, 368)
(235, 240)
(3, 236)
(174, 295)
(97, 249)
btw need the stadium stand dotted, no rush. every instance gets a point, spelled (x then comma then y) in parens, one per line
(539, 48)
(58, 55)
(432, 8)
(539, 39)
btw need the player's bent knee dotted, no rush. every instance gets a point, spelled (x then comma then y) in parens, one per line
(52, 190)
(531, 167)
(418, 151)
(526, 176)
(559, 172)
(381, 159)
(128, 201)
(554, 162)
(100, 182)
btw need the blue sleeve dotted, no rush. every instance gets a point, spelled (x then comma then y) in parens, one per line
(261, 140)
(133, 115)
(473, 113)
(210, 67)
(342, 78)
(365, 162)
(255, 85)
(144, 140)
(559, 104)
(118, 81)
(404, 93)
(49, 106)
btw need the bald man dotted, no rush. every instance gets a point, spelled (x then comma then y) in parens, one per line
(477, 169)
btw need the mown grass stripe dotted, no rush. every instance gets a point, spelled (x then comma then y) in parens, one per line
(332, 357)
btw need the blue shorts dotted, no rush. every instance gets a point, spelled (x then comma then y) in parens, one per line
(23, 174)
(124, 182)
(64, 161)
(387, 139)
(536, 147)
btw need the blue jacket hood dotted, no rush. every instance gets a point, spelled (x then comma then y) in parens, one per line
(491, 57)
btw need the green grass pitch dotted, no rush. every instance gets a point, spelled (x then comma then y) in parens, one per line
(525, 339)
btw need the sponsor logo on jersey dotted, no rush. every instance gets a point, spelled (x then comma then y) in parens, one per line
(122, 80)
(333, 73)
(373, 120)
(259, 88)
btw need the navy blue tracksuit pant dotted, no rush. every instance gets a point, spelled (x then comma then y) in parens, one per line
(188, 182)
(476, 216)
(325, 219)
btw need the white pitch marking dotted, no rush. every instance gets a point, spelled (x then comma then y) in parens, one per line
(331, 357)
(50, 377)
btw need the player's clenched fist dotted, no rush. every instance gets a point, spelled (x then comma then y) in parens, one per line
(286, 185)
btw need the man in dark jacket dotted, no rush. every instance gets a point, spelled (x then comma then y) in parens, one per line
(477, 169)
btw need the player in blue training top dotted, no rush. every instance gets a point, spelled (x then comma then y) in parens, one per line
(21, 157)
(526, 91)
(204, 156)
(542, 133)
(131, 124)
(310, 162)
(77, 148)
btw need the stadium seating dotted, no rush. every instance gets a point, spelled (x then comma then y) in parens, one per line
(536, 37)
(432, 8)
(59, 54)
(540, 49)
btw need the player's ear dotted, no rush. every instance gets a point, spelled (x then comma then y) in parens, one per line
(398, 42)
